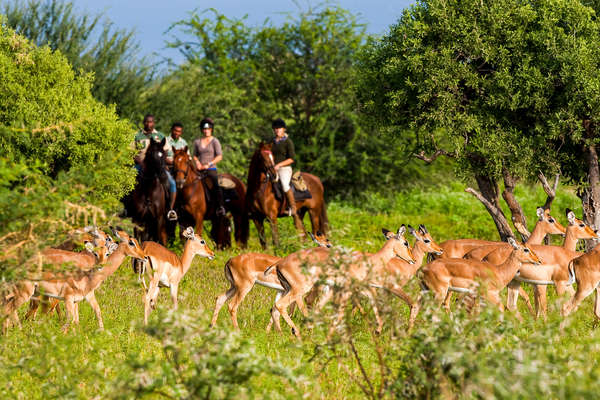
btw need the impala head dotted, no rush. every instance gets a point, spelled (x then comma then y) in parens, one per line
(423, 236)
(579, 228)
(181, 166)
(320, 239)
(198, 245)
(401, 246)
(549, 223)
(523, 252)
(129, 244)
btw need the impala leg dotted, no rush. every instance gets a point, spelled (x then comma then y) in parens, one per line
(494, 298)
(412, 305)
(32, 311)
(150, 298)
(540, 301)
(91, 299)
(341, 310)
(282, 304)
(447, 300)
(173, 289)
(370, 293)
(597, 303)
(236, 301)
(527, 300)
(220, 302)
(70, 310)
(275, 315)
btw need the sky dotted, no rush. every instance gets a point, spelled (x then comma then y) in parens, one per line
(151, 18)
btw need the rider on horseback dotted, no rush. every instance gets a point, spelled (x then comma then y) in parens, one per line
(142, 141)
(207, 153)
(283, 155)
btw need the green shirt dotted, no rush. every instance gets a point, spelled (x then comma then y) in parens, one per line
(142, 141)
(177, 144)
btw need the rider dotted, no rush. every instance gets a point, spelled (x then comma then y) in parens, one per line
(283, 155)
(175, 139)
(142, 141)
(207, 153)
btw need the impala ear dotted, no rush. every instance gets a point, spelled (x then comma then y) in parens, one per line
(540, 213)
(312, 237)
(89, 246)
(189, 232)
(423, 230)
(513, 242)
(413, 232)
(570, 216)
(115, 232)
(112, 247)
(401, 231)
(388, 234)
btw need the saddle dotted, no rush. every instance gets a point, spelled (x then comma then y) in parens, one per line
(226, 184)
(298, 186)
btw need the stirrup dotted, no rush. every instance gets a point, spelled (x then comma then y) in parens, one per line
(172, 215)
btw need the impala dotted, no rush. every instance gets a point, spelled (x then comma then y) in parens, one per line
(443, 276)
(296, 283)
(586, 270)
(77, 285)
(167, 269)
(244, 271)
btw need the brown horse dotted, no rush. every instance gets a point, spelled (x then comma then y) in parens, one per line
(192, 197)
(261, 202)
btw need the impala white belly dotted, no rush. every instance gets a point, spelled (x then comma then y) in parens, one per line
(164, 280)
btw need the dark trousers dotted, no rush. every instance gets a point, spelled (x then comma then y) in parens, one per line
(217, 190)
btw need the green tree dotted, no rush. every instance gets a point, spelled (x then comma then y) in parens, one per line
(90, 43)
(491, 84)
(66, 158)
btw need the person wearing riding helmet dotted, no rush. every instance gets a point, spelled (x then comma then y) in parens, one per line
(283, 157)
(207, 153)
(142, 141)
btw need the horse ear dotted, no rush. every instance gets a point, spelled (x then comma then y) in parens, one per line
(163, 141)
(185, 149)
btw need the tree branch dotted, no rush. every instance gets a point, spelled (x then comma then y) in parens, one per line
(496, 213)
(421, 155)
(550, 191)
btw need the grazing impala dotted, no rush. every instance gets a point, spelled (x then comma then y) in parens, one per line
(167, 269)
(77, 285)
(245, 270)
(296, 283)
(456, 274)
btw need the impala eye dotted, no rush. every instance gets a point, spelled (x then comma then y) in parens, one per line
(406, 244)
(427, 241)
(526, 250)
(551, 220)
(131, 243)
(581, 225)
(202, 241)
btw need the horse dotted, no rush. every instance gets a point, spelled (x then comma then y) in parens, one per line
(193, 203)
(261, 202)
(147, 204)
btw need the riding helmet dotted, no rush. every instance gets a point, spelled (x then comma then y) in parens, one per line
(206, 123)
(278, 123)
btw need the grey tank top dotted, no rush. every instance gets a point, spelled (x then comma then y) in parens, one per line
(208, 153)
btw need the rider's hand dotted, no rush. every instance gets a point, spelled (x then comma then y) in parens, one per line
(277, 166)
(198, 165)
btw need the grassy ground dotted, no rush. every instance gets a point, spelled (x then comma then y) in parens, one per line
(41, 362)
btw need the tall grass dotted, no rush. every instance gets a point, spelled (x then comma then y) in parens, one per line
(40, 362)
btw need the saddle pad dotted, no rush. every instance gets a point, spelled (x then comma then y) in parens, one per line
(226, 183)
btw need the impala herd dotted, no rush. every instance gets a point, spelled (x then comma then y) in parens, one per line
(474, 267)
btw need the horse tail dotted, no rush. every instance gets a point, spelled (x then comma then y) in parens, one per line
(245, 231)
(323, 218)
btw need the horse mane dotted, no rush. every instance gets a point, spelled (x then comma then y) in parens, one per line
(150, 171)
(254, 173)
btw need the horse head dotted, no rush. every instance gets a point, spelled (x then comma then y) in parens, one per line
(155, 157)
(267, 160)
(181, 166)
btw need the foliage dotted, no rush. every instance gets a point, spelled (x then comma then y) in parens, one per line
(484, 81)
(65, 156)
(198, 362)
(91, 43)
(302, 71)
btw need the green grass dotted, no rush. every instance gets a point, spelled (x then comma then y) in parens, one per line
(38, 361)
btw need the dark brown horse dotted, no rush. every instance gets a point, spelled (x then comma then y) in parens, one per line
(147, 204)
(192, 198)
(261, 202)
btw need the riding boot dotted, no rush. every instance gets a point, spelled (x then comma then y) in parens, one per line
(172, 215)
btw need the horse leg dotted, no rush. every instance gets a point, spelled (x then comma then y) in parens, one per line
(259, 222)
(315, 222)
(274, 230)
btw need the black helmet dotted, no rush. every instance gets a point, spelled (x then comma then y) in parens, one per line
(206, 123)
(278, 123)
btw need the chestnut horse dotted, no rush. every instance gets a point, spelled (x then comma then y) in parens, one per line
(261, 202)
(192, 198)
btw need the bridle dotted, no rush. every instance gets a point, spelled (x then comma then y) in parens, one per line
(187, 170)
(269, 170)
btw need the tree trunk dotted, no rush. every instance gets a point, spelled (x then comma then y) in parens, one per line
(489, 196)
(590, 196)
(518, 218)
(550, 193)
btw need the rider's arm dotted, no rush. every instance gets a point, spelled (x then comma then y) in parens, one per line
(218, 153)
(290, 154)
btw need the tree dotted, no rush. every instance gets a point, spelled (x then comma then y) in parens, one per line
(66, 158)
(490, 84)
(90, 43)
